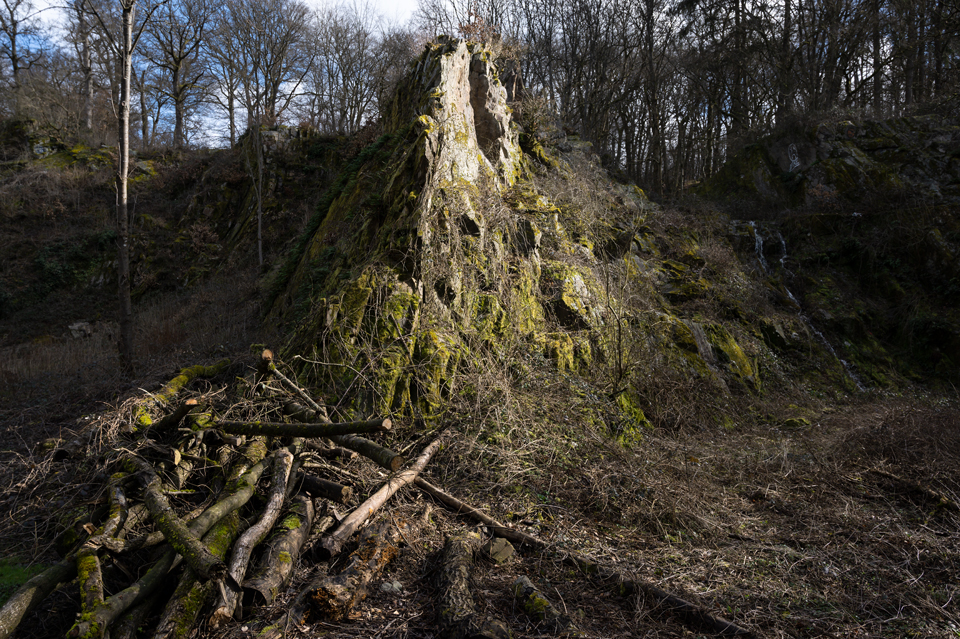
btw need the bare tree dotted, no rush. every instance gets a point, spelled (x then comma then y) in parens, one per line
(20, 44)
(124, 44)
(262, 44)
(173, 44)
(340, 92)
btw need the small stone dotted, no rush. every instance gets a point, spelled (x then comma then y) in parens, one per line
(498, 550)
(391, 586)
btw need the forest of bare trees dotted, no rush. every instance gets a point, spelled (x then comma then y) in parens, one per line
(664, 89)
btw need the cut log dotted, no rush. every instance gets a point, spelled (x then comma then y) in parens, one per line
(243, 549)
(280, 429)
(457, 614)
(172, 420)
(332, 544)
(33, 592)
(332, 452)
(371, 450)
(384, 456)
(334, 598)
(541, 610)
(175, 531)
(263, 365)
(191, 594)
(278, 562)
(319, 487)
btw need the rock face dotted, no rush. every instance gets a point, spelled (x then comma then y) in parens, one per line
(910, 159)
(403, 263)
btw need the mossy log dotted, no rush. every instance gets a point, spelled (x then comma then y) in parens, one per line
(180, 615)
(332, 544)
(175, 531)
(88, 558)
(33, 592)
(335, 597)
(92, 625)
(129, 625)
(541, 610)
(243, 549)
(457, 614)
(280, 429)
(319, 487)
(165, 395)
(383, 456)
(280, 558)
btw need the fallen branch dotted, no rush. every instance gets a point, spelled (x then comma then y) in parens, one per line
(686, 611)
(496, 527)
(280, 429)
(942, 500)
(320, 411)
(332, 544)
(243, 549)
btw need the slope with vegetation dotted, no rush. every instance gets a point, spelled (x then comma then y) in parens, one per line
(687, 417)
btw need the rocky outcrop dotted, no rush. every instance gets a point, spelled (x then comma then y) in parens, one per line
(909, 159)
(444, 245)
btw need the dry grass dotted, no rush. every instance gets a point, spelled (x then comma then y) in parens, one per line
(786, 532)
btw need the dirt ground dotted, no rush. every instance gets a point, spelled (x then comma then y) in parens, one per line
(845, 525)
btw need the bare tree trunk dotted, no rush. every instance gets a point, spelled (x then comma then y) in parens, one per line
(86, 66)
(178, 110)
(877, 64)
(144, 117)
(785, 97)
(123, 222)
